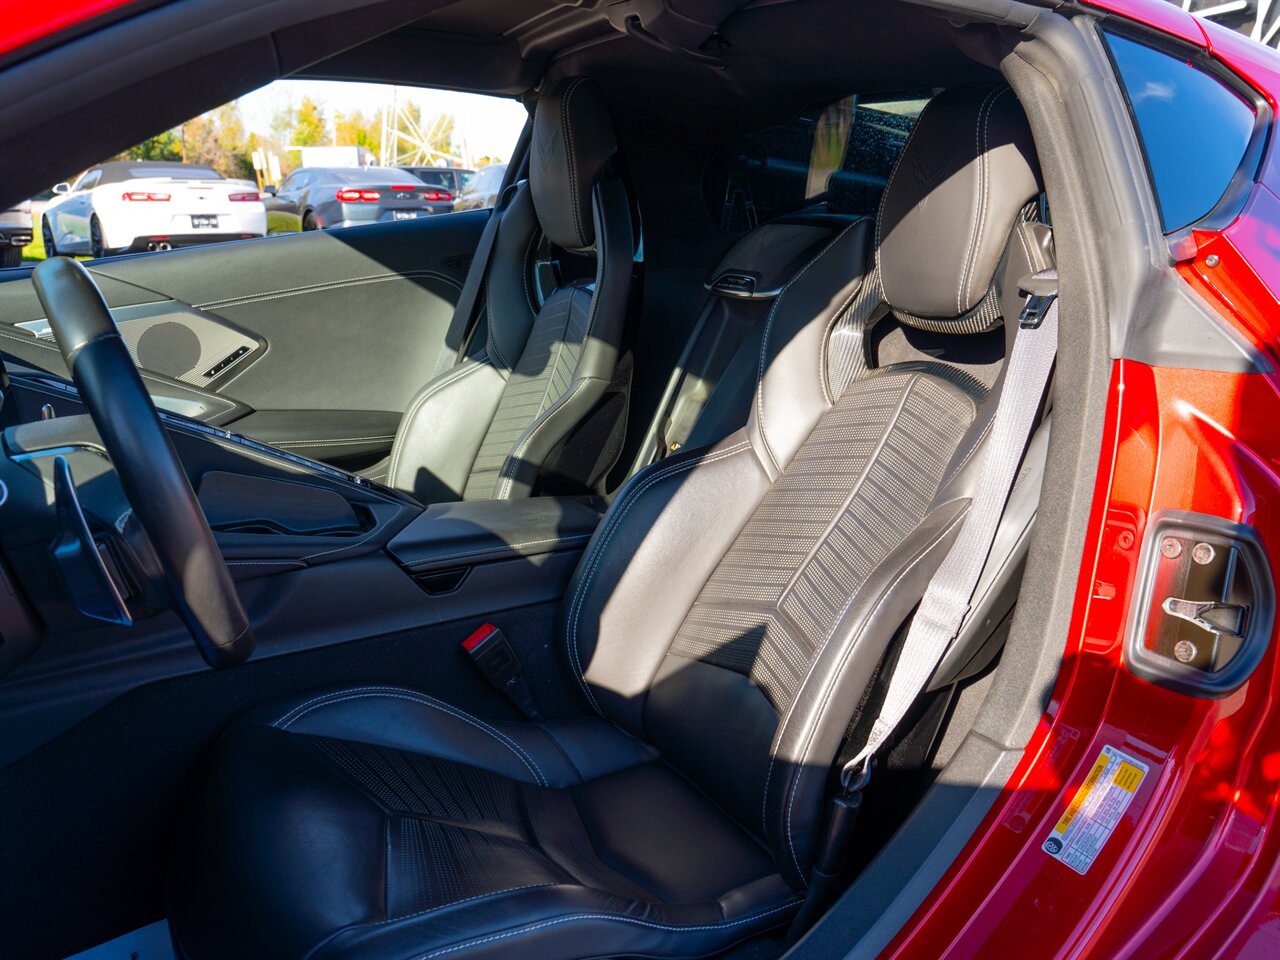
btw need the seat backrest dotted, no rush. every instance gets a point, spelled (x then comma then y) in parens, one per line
(532, 373)
(736, 601)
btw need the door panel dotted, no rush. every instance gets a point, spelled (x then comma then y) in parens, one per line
(331, 329)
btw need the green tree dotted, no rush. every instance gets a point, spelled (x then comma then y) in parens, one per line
(356, 129)
(166, 145)
(308, 125)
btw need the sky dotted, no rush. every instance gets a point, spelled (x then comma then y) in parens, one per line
(483, 126)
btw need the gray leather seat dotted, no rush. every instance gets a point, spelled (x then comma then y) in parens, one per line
(485, 428)
(722, 626)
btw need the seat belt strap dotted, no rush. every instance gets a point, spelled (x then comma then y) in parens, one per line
(458, 334)
(946, 600)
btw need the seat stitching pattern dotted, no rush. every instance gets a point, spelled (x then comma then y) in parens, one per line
(457, 903)
(830, 685)
(723, 925)
(514, 546)
(981, 136)
(399, 693)
(398, 449)
(557, 408)
(768, 328)
(579, 597)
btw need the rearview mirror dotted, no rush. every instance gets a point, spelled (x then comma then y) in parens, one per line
(269, 190)
(61, 188)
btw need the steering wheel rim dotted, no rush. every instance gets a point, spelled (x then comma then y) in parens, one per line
(145, 461)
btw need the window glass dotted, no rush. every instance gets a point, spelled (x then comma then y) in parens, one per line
(1194, 129)
(836, 158)
(253, 146)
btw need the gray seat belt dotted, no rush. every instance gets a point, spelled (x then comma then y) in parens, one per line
(946, 600)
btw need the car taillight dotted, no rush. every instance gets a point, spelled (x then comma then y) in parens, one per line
(244, 198)
(138, 196)
(439, 196)
(359, 196)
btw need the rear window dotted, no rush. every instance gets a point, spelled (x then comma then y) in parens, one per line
(1194, 129)
(184, 173)
(837, 158)
(436, 178)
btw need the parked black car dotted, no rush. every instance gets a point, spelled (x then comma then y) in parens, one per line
(452, 179)
(313, 198)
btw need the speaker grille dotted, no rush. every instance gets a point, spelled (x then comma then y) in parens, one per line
(170, 348)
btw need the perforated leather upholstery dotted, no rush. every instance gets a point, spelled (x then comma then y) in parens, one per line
(485, 428)
(723, 625)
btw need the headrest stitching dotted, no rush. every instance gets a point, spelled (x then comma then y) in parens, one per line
(572, 159)
(981, 138)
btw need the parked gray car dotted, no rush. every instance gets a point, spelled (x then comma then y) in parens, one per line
(15, 233)
(315, 198)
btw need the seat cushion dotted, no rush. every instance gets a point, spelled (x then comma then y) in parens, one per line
(379, 822)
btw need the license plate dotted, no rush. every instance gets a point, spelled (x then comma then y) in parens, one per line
(404, 214)
(204, 223)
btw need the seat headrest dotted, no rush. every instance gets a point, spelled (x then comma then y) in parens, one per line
(968, 170)
(572, 142)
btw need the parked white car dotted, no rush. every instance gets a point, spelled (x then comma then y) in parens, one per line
(133, 205)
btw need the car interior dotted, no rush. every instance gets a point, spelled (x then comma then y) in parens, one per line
(546, 565)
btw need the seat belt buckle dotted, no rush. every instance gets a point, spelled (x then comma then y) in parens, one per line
(1035, 309)
(492, 654)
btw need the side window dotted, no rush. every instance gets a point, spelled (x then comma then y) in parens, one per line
(1194, 129)
(836, 158)
(247, 149)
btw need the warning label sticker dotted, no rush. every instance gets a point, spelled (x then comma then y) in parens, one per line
(1095, 810)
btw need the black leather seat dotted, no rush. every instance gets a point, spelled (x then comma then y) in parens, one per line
(484, 428)
(723, 626)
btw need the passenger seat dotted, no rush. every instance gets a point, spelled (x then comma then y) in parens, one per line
(531, 374)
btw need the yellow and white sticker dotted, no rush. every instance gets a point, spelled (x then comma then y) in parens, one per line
(1095, 810)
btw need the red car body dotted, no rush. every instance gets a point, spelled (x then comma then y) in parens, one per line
(1193, 868)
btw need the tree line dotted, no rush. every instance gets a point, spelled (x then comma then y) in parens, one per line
(218, 139)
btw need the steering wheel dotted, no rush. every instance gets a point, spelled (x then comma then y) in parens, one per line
(150, 472)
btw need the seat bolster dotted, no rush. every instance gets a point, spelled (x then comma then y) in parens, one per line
(813, 727)
(645, 565)
(791, 389)
(407, 720)
(442, 430)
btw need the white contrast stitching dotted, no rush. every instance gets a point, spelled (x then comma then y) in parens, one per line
(980, 139)
(669, 469)
(398, 693)
(407, 422)
(325, 443)
(457, 903)
(322, 287)
(513, 458)
(826, 695)
(768, 327)
(723, 925)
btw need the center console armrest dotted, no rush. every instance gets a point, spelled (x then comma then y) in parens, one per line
(478, 531)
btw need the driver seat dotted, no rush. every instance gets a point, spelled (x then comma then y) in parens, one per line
(721, 644)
